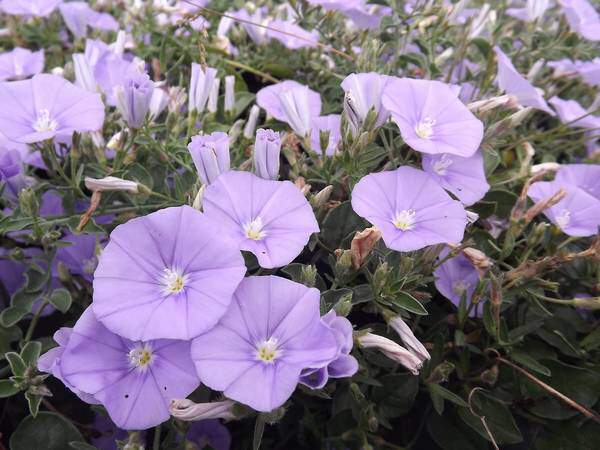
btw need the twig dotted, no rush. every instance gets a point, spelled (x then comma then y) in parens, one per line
(482, 418)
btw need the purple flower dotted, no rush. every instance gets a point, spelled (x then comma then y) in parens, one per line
(584, 176)
(569, 111)
(513, 83)
(12, 273)
(331, 124)
(344, 365)
(133, 98)
(165, 275)
(363, 15)
(457, 277)
(297, 110)
(211, 155)
(431, 118)
(533, 10)
(271, 219)
(135, 381)
(577, 214)
(109, 433)
(20, 63)
(258, 35)
(464, 177)
(37, 8)
(410, 209)
(78, 16)
(268, 99)
(582, 18)
(270, 333)
(308, 38)
(10, 164)
(267, 148)
(200, 86)
(363, 93)
(79, 257)
(47, 106)
(209, 433)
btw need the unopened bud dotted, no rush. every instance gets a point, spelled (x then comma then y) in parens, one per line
(590, 303)
(28, 202)
(408, 338)
(116, 142)
(322, 197)
(545, 167)
(441, 373)
(308, 276)
(479, 259)
(111, 184)
(197, 204)
(362, 245)
(392, 350)
(192, 412)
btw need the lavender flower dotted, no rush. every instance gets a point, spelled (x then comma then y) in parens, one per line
(533, 10)
(363, 93)
(306, 38)
(271, 219)
(211, 155)
(20, 63)
(252, 121)
(326, 124)
(457, 277)
(189, 411)
(79, 15)
(165, 275)
(584, 176)
(296, 107)
(582, 18)
(573, 114)
(513, 83)
(200, 87)
(431, 118)
(134, 97)
(344, 365)
(229, 94)
(577, 214)
(135, 381)
(268, 99)
(267, 148)
(410, 209)
(33, 111)
(209, 433)
(270, 333)
(79, 256)
(37, 8)
(464, 177)
(158, 102)
(10, 164)
(409, 339)
(392, 350)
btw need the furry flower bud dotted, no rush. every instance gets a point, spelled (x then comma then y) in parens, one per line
(211, 155)
(267, 148)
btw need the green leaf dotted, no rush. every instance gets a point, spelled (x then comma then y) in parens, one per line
(527, 361)
(81, 446)
(17, 364)
(482, 45)
(8, 335)
(259, 429)
(12, 315)
(33, 401)
(406, 301)
(340, 223)
(31, 352)
(447, 395)
(436, 399)
(447, 432)
(47, 431)
(497, 416)
(61, 300)
(8, 388)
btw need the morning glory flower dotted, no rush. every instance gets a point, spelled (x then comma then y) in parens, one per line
(165, 275)
(572, 113)
(211, 155)
(200, 87)
(296, 107)
(37, 8)
(410, 209)
(584, 176)
(464, 177)
(134, 97)
(135, 381)
(431, 118)
(271, 332)
(78, 255)
(577, 214)
(271, 219)
(20, 63)
(513, 83)
(533, 10)
(344, 365)
(582, 18)
(268, 99)
(310, 38)
(10, 164)
(47, 106)
(363, 93)
(267, 148)
(457, 277)
(79, 15)
(330, 124)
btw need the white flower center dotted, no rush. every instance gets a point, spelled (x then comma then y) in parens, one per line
(141, 357)
(267, 351)
(173, 281)
(254, 229)
(424, 128)
(563, 219)
(460, 287)
(44, 123)
(405, 219)
(442, 164)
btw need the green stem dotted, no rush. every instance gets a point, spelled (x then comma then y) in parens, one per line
(35, 320)
(156, 441)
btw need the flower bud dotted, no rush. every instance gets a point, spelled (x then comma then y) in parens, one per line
(229, 94)
(479, 259)
(158, 102)
(200, 87)
(84, 77)
(213, 97)
(197, 204)
(392, 350)
(322, 197)
(177, 98)
(308, 276)
(252, 121)
(362, 244)
(483, 106)
(408, 338)
(111, 184)
(211, 155)
(589, 303)
(549, 166)
(115, 142)
(267, 148)
(295, 105)
(133, 98)
(28, 202)
(189, 411)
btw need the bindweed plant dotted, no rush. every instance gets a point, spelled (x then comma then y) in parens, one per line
(297, 225)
